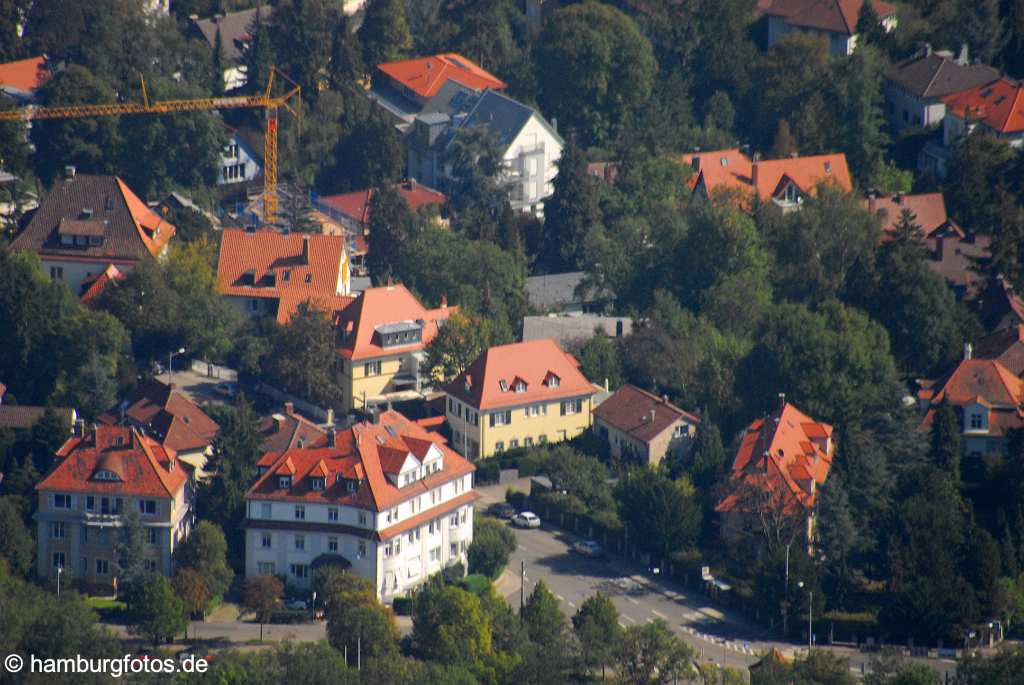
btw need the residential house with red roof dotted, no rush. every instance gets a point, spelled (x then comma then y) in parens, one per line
(1006, 347)
(987, 398)
(997, 108)
(431, 84)
(99, 477)
(383, 336)
(285, 430)
(834, 20)
(270, 273)
(386, 498)
(730, 176)
(22, 78)
(641, 426)
(518, 395)
(953, 252)
(782, 461)
(20, 417)
(89, 223)
(165, 414)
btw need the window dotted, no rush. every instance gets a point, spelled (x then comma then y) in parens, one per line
(90, 503)
(58, 559)
(503, 384)
(265, 510)
(513, 443)
(520, 386)
(284, 482)
(266, 540)
(371, 368)
(350, 485)
(501, 418)
(151, 534)
(499, 446)
(318, 482)
(454, 549)
(528, 442)
(57, 530)
(102, 567)
(103, 536)
(85, 534)
(451, 405)
(254, 305)
(362, 518)
(150, 564)
(332, 544)
(300, 543)
(552, 381)
(147, 506)
(392, 515)
(332, 514)
(300, 512)
(572, 407)
(62, 501)
(542, 439)
(309, 278)
(976, 421)
(95, 240)
(361, 552)
(265, 568)
(300, 571)
(537, 409)
(435, 555)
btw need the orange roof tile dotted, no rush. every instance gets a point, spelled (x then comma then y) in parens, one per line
(929, 208)
(95, 286)
(491, 377)
(360, 454)
(356, 205)
(153, 229)
(24, 75)
(144, 467)
(167, 415)
(376, 307)
(292, 268)
(998, 105)
(986, 378)
(425, 76)
(641, 414)
(776, 453)
(837, 16)
(770, 176)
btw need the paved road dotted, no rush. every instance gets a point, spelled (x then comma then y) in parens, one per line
(715, 634)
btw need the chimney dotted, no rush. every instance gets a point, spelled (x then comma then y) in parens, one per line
(753, 172)
(444, 301)
(927, 49)
(69, 171)
(968, 351)
(554, 124)
(305, 249)
(606, 385)
(897, 198)
(782, 400)
(963, 58)
(289, 408)
(172, 386)
(664, 399)
(375, 416)
(332, 437)
(651, 416)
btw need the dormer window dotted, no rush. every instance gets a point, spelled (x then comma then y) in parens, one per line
(552, 381)
(318, 482)
(309, 278)
(103, 474)
(503, 384)
(350, 485)
(828, 167)
(284, 482)
(520, 386)
(286, 275)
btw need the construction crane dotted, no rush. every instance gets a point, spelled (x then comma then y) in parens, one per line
(266, 100)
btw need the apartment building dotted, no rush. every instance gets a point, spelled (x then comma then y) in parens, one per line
(386, 499)
(518, 395)
(99, 477)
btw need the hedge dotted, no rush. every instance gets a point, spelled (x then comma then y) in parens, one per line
(291, 616)
(403, 606)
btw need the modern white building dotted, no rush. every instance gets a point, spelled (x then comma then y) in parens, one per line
(239, 163)
(386, 499)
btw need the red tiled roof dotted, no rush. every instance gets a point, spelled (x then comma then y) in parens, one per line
(356, 205)
(145, 467)
(984, 378)
(1005, 347)
(929, 208)
(363, 453)
(168, 415)
(720, 170)
(285, 430)
(998, 105)
(97, 285)
(641, 414)
(379, 306)
(531, 361)
(837, 16)
(24, 75)
(769, 176)
(313, 264)
(425, 76)
(778, 451)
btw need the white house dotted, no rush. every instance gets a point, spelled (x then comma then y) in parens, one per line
(530, 147)
(385, 498)
(239, 163)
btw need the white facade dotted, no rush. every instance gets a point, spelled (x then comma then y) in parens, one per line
(838, 43)
(531, 161)
(237, 163)
(77, 271)
(396, 549)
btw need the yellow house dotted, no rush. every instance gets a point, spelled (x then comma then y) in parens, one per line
(383, 336)
(100, 477)
(518, 395)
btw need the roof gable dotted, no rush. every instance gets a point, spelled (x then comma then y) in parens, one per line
(928, 208)
(935, 75)
(641, 414)
(504, 118)
(999, 105)
(836, 16)
(356, 205)
(425, 76)
(23, 76)
(376, 307)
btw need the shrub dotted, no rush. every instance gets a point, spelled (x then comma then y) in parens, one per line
(287, 616)
(477, 583)
(492, 544)
(403, 606)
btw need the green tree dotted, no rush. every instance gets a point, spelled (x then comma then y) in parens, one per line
(449, 626)
(869, 25)
(355, 619)
(650, 654)
(982, 26)
(461, 340)
(784, 144)
(662, 516)
(708, 459)
(597, 628)
(370, 154)
(258, 54)
(205, 551)
(217, 65)
(131, 553)
(579, 476)
(572, 212)
(191, 587)
(17, 548)
(599, 360)
(945, 441)
(347, 66)
(262, 596)
(892, 669)
(859, 104)
(788, 75)
(300, 33)
(156, 612)
(385, 32)
(822, 666)
(548, 627)
(839, 536)
(303, 359)
(611, 64)
(11, 44)
(392, 227)
(492, 545)
(296, 214)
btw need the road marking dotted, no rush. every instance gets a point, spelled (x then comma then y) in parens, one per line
(621, 624)
(659, 614)
(628, 618)
(633, 601)
(560, 598)
(571, 604)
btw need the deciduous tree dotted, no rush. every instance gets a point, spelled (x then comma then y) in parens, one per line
(262, 596)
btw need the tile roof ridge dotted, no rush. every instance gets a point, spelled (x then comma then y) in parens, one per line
(935, 74)
(157, 468)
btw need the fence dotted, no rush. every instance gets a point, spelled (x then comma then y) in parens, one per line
(211, 370)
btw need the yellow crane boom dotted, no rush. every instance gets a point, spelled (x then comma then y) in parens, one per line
(267, 100)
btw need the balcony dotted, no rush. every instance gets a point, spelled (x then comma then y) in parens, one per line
(102, 520)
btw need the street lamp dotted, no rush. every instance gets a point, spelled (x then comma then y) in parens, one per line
(60, 570)
(170, 360)
(314, 605)
(810, 613)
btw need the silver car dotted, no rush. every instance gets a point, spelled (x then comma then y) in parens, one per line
(526, 519)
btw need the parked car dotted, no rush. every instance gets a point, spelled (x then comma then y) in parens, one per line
(526, 519)
(588, 548)
(295, 604)
(226, 389)
(503, 510)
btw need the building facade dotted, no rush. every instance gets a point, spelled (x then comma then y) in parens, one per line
(835, 21)
(385, 498)
(100, 477)
(518, 395)
(642, 427)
